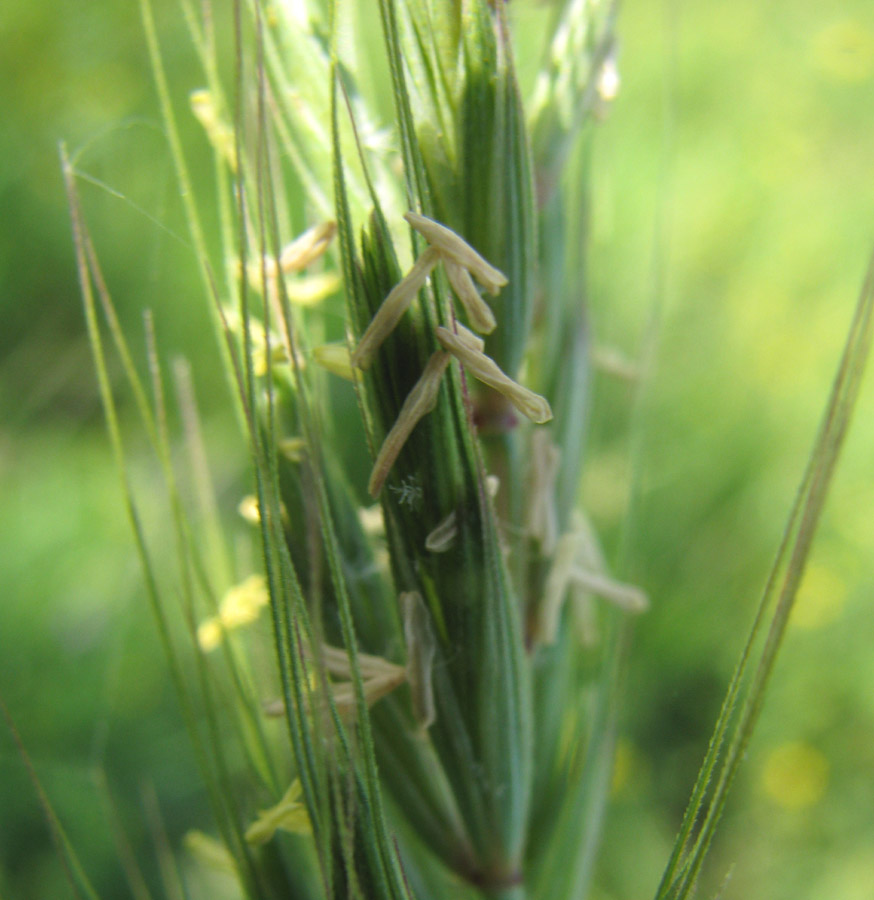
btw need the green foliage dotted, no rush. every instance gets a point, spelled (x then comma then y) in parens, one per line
(448, 722)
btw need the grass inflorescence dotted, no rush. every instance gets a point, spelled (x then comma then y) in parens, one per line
(403, 333)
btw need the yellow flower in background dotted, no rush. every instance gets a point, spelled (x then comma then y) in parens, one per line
(289, 815)
(845, 51)
(821, 598)
(209, 634)
(241, 605)
(795, 775)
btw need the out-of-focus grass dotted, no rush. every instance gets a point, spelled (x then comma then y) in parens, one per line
(732, 195)
(732, 187)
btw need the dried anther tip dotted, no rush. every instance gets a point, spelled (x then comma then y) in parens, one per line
(420, 401)
(478, 311)
(485, 369)
(456, 249)
(393, 307)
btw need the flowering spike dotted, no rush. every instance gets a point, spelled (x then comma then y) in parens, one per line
(456, 249)
(420, 401)
(484, 368)
(393, 307)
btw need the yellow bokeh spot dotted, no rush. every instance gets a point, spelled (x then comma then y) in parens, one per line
(821, 598)
(209, 634)
(795, 775)
(240, 606)
(845, 51)
(243, 602)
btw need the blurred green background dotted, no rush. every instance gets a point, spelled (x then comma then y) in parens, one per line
(733, 215)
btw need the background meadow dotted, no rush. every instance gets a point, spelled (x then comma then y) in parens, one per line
(732, 216)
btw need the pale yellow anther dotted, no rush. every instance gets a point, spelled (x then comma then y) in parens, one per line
(307, 248)
(420, 401)
(312, 289)
(372, 520)
(626, 596)
(379, 677)
(421, 648)
(479, 313)
(219, 133)
(292, 448)
(485, 369)
(375, 688)
(453, 247)
(335, 358)
(541, 513)
(393, 307)
(441, 538)
(474, 341)
(556, 587)
(578, 568)
(612, 362)
(289, 815)
(336, 661)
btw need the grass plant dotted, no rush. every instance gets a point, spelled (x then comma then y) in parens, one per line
(401, 314)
